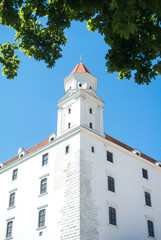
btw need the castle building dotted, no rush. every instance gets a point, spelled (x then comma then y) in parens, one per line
(80, 184)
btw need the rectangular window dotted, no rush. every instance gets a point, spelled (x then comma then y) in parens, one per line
(9, 229)
(92, 149)
(90, 125)
(111, 184)
(67, 149)
(43, 188)
(12, 200)
(150, 228)
(109, 156)
(112, 216)
(45, 159)
(145, 173)
(15, 173)
(90, 110)
(147, 199)
(41, 222)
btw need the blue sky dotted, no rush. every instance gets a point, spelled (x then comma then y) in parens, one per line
(28, 107)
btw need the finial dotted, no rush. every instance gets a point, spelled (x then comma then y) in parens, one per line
(80, 58)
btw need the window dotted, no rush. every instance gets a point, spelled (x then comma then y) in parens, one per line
(147, 199)
(92, 149)
(69, 125)
(90, 87)
(80, 85)
(14, 176)
(109, 156)
(45, 159)
(43, 188)
(41, 222)
(150, 228)
(112, 216)
(12, 200)
(90, 125)
(145, 173)
(90, 110)
(40, 233)
(67, 149)
(69, 111)
(9, 229)
(111, 184)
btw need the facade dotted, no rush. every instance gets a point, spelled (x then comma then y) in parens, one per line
(80, 184)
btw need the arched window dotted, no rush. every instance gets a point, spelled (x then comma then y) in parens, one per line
(111, 184)
(112, 216)
(42, 214)
(9, 229)
(43, 188)
(147, 199)
(12, 200)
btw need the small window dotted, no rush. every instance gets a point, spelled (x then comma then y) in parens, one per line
(52, 139)
(145, 173)
(80, 85)
(69, 111)
(111, 184)
(69, 125)
(67, 149)
(43, 188)
(15, 173)
(90, 110)
(92, 149)
(21, 155)
(90, 125)
(112, 216)
(45, 159)
(109, 156)
(12, 200)
(9, 229)
(90, 87)
(150, 228)
(41, 222)
(40, 233)
(147, 199)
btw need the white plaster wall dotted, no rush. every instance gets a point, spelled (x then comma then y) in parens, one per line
(128, 200)
(62, 173)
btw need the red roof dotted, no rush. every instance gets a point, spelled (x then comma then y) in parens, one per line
(109, 138)
(80, 68)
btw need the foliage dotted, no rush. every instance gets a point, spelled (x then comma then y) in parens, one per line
(132, 29)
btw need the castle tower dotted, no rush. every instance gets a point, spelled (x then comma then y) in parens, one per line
(80, 105)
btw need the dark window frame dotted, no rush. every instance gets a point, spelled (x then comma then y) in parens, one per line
(145, 173)
(111, 183)
(147, 199)
(67, 149)
(150, 228)
(42, 216)
(9, 229)
(15, 174)
(12, 200)
(43, 187)
(45, 159)
(90, 110)
(109, 156)
(112, 216)
(92, 149)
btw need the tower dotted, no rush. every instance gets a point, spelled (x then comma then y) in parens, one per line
(80, 105)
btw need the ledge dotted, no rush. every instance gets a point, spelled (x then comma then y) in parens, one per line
(40, 228)
(9, 208)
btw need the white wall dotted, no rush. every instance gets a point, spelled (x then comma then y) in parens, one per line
(128, 200)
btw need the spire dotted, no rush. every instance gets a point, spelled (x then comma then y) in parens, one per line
(80, 68)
